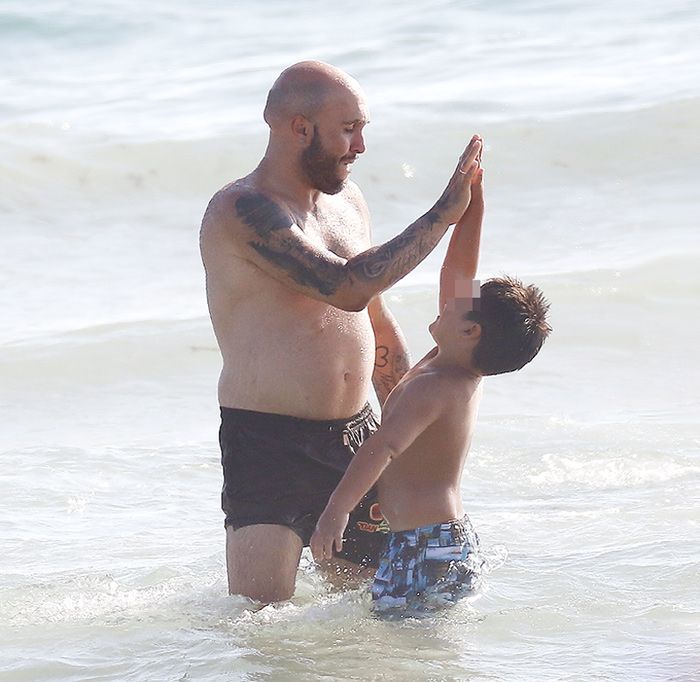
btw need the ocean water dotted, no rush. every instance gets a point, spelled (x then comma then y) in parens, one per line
(119, 120)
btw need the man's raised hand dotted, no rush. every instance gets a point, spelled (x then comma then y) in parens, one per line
(457, 195)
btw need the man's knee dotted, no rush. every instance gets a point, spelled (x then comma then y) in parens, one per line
(265, 591)
(262, 562)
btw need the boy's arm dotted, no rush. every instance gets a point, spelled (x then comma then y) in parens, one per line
(391, 359)
(462, 258)
(412, 413)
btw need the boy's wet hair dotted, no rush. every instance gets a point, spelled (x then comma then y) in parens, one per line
(513, 320)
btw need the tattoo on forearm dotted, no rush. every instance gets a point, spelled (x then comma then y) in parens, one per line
(401, 254)
(401, 365)
(381, 359)
(388, 370)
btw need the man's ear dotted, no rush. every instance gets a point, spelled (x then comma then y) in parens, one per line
(302, 129)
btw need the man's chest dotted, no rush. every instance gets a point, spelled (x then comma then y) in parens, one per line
(339, 227)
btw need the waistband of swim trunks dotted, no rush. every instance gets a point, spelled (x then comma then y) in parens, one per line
(281, 420)
(432, 527)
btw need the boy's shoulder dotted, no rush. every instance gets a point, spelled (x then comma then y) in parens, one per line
(444, 383)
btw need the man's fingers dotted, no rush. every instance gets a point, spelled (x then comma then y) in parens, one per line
(471, 153)
(470, 170)
(316, 550)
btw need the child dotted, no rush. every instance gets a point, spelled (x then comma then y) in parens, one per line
(427, 425)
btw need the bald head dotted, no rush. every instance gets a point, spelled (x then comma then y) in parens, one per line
(303, 88)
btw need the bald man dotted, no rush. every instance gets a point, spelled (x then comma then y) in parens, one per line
(293, 287)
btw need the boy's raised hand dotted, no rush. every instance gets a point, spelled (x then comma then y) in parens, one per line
(477, 187)
(476, 204)
(329, 532)
(462, 257)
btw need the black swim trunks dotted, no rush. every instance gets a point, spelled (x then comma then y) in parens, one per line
(281, 470)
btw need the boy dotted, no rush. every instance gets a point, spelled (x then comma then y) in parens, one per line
(428, 420)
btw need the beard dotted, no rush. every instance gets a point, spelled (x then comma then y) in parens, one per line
(320, 167)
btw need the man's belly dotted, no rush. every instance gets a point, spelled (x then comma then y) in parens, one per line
(320, 370)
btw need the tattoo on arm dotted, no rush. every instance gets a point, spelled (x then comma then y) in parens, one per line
(389, 262)
(400, 255)
(320, 277)
(382, 357)
(262, 214)
(266, 218)
(388, 369)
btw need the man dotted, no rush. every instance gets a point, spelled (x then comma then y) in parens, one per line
(293, 288)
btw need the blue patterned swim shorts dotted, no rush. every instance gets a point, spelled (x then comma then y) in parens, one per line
(427, 568)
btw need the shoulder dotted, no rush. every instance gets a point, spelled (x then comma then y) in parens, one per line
(460, 387)
(423, 389)
(448, 386)
(243, 206)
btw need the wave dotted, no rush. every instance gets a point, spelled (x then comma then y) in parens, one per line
(54, 159)
(671, 280)
(661, 288)
(147, 349)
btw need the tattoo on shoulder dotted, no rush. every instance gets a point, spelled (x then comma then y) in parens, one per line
(262, 214)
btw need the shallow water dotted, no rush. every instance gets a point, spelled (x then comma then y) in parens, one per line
(120, 121)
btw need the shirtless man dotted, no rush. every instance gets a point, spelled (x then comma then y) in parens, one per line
(293, 287)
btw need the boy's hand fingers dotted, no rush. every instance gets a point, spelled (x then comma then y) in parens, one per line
(338, 541)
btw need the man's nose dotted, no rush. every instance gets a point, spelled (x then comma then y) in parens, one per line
(357, 144)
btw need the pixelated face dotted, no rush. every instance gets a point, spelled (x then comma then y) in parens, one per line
(462, 294)
(451, 325)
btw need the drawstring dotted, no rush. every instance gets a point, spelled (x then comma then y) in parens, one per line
(353, 430)
(352, 434)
